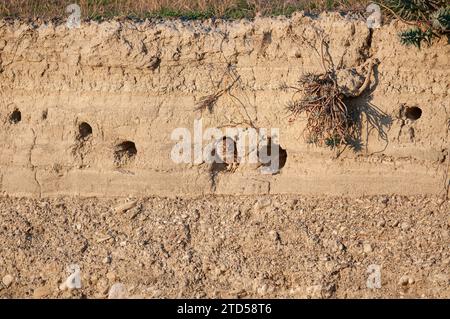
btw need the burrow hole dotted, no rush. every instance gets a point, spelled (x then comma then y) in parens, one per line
(124, 152)
(84, 131)
(224, 154)
(413, 113)
(15, 117)
(266, 150)
(226, 150)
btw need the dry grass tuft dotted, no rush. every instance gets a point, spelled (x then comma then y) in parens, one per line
(328, 119)
(190, 9)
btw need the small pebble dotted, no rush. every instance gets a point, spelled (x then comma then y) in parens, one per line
(262, 290)
(367, 248)
(403, 281)
(274, 235)
(118, 291)
(381, 223)
(293, 203)
(406, 280)
(404, 226)
(111, 276)
(107, 260)
(41, 292)
(125, 206)
(102, 287)
(73, 281)
(339, 246)
(7, 280)
(262, 203)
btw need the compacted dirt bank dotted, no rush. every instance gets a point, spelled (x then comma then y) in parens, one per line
(88, 114)
(238, 247)
(90, 111)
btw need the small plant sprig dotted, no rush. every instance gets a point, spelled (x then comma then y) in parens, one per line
(430, 19)
(416, 36)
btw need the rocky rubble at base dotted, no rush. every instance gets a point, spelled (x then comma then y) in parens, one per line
(236, 247)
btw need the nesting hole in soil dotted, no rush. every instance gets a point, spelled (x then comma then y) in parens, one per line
(225, 154)
(15, 117)
(266, 150)
(413, 113)
(84, 131)
(226, 150)
(124, 152)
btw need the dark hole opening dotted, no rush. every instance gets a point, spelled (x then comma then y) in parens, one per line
(124, 152)
(15, 117)
(267, 150)
(413, 113)
(85, 130)
(226, 150)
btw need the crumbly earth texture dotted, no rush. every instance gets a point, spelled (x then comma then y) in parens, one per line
(226, 247)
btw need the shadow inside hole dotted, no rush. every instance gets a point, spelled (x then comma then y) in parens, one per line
(223, 153)
(218, 167)
(266, 151)
(124, 152)
(226, 150)
(84, 131)
(15, 117)
(413, 113)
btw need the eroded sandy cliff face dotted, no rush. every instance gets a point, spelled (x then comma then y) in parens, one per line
(90, 111)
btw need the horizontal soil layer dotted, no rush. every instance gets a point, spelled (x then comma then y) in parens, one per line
(92, 111)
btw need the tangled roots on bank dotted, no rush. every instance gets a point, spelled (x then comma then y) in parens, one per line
(329, 121)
